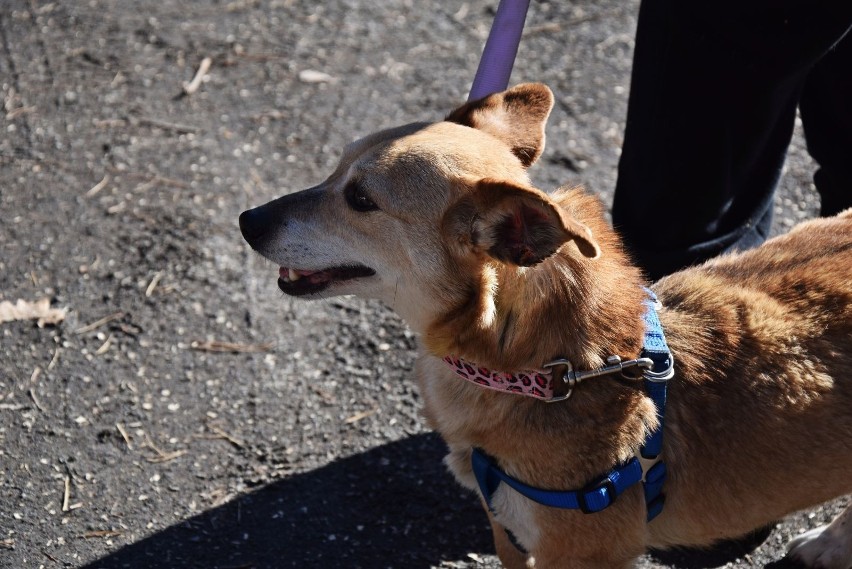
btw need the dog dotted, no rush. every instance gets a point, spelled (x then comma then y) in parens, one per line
(518, 286)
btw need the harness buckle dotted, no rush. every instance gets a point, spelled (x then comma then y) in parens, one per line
(603, 487)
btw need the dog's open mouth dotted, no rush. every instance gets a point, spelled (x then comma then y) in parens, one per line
(298, 282)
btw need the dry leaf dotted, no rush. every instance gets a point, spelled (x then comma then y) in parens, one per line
(25, 310)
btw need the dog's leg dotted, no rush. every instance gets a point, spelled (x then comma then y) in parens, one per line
(510, 556)
(826, 547)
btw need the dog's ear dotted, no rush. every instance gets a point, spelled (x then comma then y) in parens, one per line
(517, 117)
(516, 225)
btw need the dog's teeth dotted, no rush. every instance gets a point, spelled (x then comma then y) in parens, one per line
(293, 275)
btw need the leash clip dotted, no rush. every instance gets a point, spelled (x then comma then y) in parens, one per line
(571, 378)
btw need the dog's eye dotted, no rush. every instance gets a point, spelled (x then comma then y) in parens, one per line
(358, 199)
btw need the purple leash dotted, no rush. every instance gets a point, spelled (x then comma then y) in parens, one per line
(498, 57)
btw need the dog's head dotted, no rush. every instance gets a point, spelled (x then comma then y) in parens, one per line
(410, 213)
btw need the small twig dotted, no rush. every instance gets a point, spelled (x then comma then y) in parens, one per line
(153, 284)
(31, 390)
(559, 26)
(150, 444)
(544, 28)
(7, 544)
(66, 499)
(166, 457)
(203, 68)
(32, 395)
(101, 533)
(98, 187)
(161, 455)
(274, 114)
(362, 415)
(151, 178)
(98, 323)
(15, 113)
(165, 125)
(124, 435)
(222, 434)
(104, 347)
(230, 347)
(54, 359)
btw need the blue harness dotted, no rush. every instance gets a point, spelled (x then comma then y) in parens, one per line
(602, 492)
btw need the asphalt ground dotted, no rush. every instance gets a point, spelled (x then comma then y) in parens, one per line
(183, 413)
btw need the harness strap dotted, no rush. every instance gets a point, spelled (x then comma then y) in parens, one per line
(602, 493)
(656, 379)
(595, 497)
(656, 382)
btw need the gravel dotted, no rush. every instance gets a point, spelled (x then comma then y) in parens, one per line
(184, 413)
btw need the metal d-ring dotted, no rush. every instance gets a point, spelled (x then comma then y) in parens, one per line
(660, 376)
(568, 377)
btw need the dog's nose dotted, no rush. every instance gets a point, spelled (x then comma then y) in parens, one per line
(254, 223)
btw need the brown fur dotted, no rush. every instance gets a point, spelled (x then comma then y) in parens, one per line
(483, 266)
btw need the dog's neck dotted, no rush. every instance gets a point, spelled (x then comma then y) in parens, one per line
(567, 306)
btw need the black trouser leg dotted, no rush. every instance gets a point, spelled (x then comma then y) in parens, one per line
(826, 107)
(712, 104)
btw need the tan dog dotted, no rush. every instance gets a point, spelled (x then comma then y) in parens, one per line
(439, 221)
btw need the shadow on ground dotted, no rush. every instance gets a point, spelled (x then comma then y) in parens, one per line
(723, 553)
(392, 506)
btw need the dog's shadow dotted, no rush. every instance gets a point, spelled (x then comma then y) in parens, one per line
(721, 554)
(392, 506)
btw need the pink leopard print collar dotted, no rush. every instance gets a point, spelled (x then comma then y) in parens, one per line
(535, 383)
(558, 380)
(544, 385)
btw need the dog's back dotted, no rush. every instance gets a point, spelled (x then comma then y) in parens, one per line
(763, 395)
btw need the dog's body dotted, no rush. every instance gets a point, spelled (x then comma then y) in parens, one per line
(438, 220)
